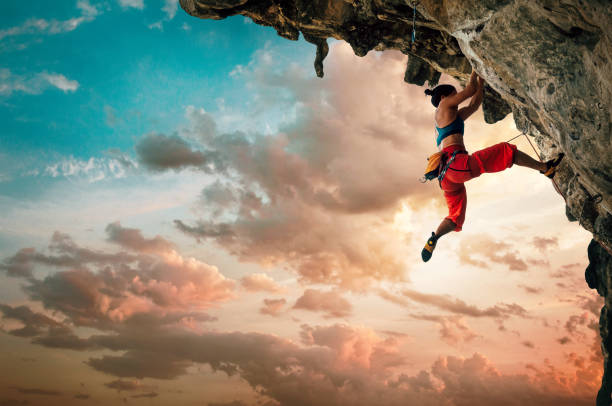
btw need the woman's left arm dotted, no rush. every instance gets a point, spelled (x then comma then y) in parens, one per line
(475, 102)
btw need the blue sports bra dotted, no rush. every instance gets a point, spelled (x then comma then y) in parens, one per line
(453, 128)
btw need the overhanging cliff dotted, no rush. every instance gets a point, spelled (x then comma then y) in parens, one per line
(548, 62)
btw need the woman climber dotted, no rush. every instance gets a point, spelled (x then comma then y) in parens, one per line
(460, 166)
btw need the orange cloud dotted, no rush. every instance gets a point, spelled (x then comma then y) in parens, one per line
(260, 282)
(273, 307)
(331, 303)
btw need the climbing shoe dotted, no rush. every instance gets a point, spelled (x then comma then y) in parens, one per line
(551, 166)
(429, 247)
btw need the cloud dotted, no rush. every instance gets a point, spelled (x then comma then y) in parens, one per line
(124, 385)
(491, 251)
(87, 9)
(487, 386)
(272, 307)
(34, 323)
(456, 306)
(335, 365)
(36, 391)
(13, 402)
(330, 303)
(170, 8)
(159, 152)
(544, 243)
(138, 4)
(132, 238)
(355, 345)
(453, 329)
(34, 84)
(61, 82)
(528, 344)
(530, 289)
(233, 403)
(146, 395)
(260, 282)
(305, 194)
(42, 26)
(567, 271)
(115, 166)
(155, 286)
(158, 25)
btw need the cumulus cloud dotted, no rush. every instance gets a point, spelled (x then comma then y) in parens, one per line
(272, 307)
(260, 282)
(154, 286)
(335, 365)
(330, 303)
(306, 194)
(159, 152)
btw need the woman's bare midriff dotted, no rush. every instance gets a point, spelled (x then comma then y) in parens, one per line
(453, 139)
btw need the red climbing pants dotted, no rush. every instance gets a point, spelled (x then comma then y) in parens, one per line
(465, 167)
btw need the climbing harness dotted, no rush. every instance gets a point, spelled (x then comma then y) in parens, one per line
(448, 163)
(437, 166)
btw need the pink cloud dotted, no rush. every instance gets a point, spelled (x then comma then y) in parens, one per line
(100, 288)
(331, 303)
(272, 307)
(260, 282)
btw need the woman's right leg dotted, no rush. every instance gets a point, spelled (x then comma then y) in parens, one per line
(445, 227)
(456, 200)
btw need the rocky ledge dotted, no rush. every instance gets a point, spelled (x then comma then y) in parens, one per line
(547, 62)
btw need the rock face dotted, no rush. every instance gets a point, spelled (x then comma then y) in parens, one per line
(548, 62)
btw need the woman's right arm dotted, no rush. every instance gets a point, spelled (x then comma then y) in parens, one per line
(469, 91)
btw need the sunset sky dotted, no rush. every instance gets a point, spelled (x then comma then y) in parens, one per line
(190, 216)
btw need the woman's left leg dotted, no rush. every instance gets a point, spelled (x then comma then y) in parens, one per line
(503, 155)
(522, 159)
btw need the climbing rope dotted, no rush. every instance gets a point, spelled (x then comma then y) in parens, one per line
(414, 3)
(539, 159)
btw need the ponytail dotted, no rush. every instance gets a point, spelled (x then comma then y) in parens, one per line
(437, 93)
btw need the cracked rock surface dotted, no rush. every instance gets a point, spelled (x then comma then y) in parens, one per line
(548, 62)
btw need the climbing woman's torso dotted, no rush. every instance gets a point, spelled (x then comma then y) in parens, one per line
(450, 131)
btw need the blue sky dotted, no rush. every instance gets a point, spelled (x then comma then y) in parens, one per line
(126, 71)
(83, 78)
